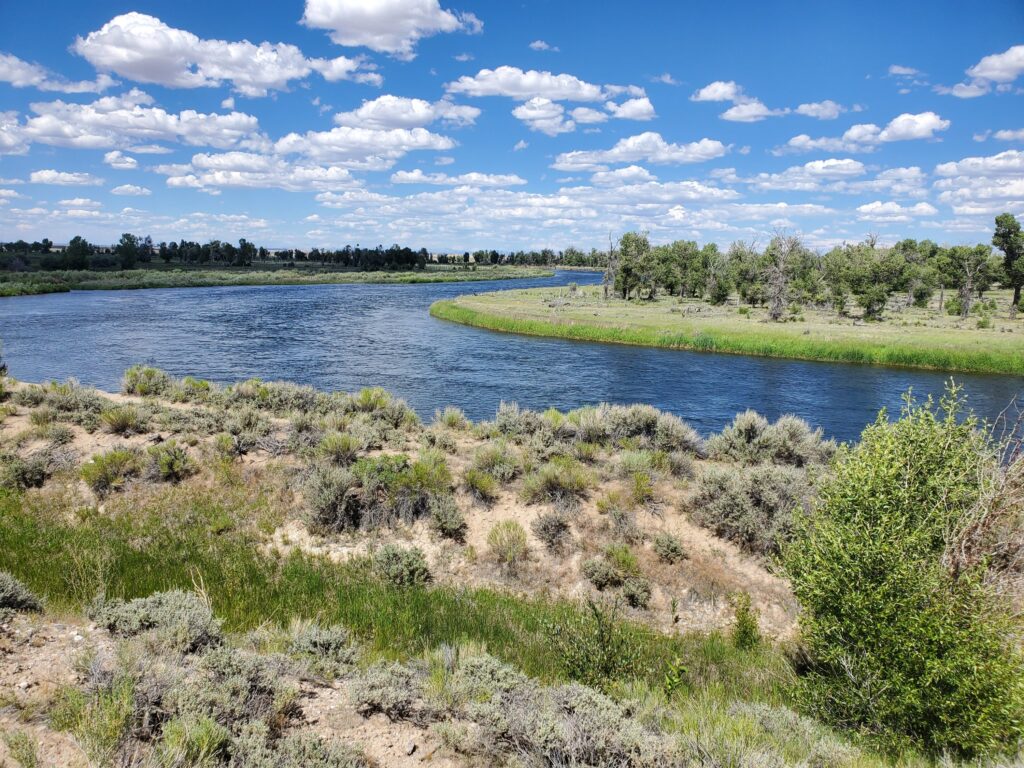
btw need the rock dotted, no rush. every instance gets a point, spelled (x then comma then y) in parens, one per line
(411, 748)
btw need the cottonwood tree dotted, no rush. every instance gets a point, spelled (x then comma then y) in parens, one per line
(779, 255)
(1009, 239)
(965, 268)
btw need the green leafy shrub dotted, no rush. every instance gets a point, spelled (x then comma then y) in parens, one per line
(170, 462)
(452, 418)
(602, 574)
(507, 543)
(446, 519)
(20, 472)
(15, 596)
(595, 647)
(746, 630)
(400, 566)
(898, 643)
(144, 380)
(668, 548)
(108, 472)
(497, 459)
(552, 528)
(123, 420)
(752, 507)
(480, 485)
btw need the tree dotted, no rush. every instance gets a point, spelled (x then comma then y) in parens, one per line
(965, 267)
(76, 255)
(127, 250)
(636, 267)
(779, 257)
(1009, 239)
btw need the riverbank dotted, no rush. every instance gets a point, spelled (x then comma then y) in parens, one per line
(913, 338)
(36, 283)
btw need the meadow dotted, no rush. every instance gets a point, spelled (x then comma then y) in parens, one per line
(908, 336)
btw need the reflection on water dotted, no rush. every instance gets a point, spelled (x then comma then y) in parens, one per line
(350, 336)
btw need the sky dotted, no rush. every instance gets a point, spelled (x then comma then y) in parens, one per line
(463, 124)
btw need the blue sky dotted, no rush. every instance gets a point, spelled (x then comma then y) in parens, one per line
(505, 125)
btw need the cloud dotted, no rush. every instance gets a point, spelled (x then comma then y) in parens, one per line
(1006, 135)
(520, 145)
(665, 79)
(386, 26)
(745, 109)
(865, 137)
(122, 162)
(64, 178)
(897, 70)
(472, 179)
(645, 147)
(253, 170)
(1001, 69)
(632, 109)
(463, 57)
(540, 45)
(359, 147)
(544, 115)
(130, 189)
(823, 110)
(145, 49)
(23, 74)
(399, 112)
(586, 115)
(121, 122)
(524, 85)
(631, 174)
(1008, 163)
(890, 212)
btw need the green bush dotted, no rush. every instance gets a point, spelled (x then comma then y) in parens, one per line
(328, 650)
(636, 591)
(180, 620)
(507, 543)
(170, 462)
(453, 418)
(446, 519)
(107, 472)
(389, 688)
(339, 448)
(560, 480)
(668, 548)
(498, 460)
(595, 647)
(400, 566)
(480, 485)
(144, 380)
(898, 643)
(123, 420)
(752, 507)
(332, 499)
(15, 596)
(746, 630)
(19, 472)
(194, 741)
(601, 573)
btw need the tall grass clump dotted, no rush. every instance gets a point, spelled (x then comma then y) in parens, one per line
(899, 642)
(110, 471)
(560, 480)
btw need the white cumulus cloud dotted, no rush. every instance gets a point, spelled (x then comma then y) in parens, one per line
(400, 112)
(64, 178)
(645, 147)
(23, 74)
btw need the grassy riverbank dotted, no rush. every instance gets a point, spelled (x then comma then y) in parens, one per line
(32, 283)
(917, 338)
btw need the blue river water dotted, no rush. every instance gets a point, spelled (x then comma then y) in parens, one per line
(344, 337)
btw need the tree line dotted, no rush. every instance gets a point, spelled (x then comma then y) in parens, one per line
(787, 273)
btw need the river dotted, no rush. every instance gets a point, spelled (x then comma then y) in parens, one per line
(344, 337)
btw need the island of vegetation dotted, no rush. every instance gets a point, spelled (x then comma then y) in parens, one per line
(915, 304)
(137, 262)
(268, 575)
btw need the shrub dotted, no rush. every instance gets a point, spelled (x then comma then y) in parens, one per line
(446, 519)
(637, 591)
(123, 420)
(144, 381)
(453, 418)
(497, 460)
(673, 434)
(746, 631)
(513, 422)
(552, 528)
(752, 507)
(24, 472)
(560, 480)
(42, 417)
(179, 620)
(339, 448)
(329, 650)
(668, 548)
(170, 462)
(194, 741)
(107, 472)
(641, 488)
(750, 439)
(254, 748)
(480, 485)
(401, 567)
(15, 596)
(898, 643)
(332, 498)
(601, 573)
(391, 689)
(507, 543)
(623, 559)
(681, 465)
(594, 646)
